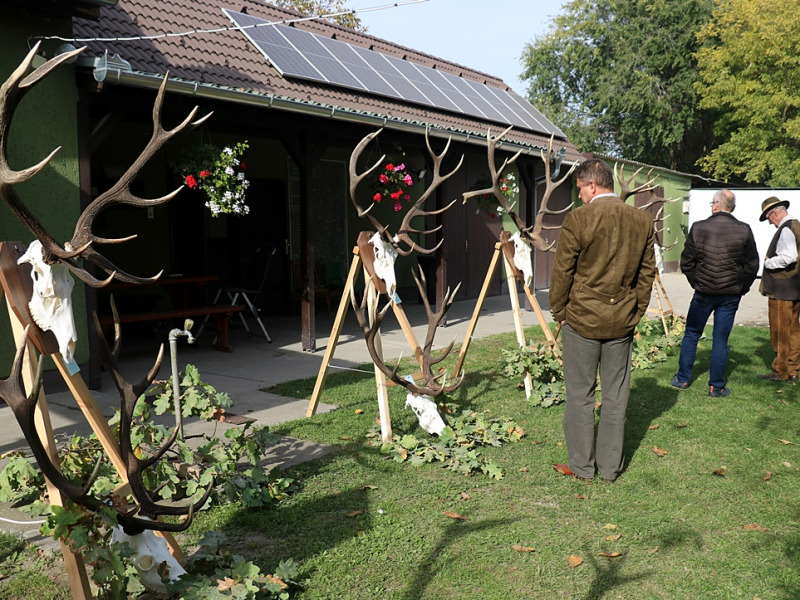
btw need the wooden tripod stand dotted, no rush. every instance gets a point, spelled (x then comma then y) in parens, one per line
(17, 287)
(362, 256)
(660, 292)
(512, 275)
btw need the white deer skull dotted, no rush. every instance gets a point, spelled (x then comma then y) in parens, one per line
(152, 559)
(385, 257)
(425, 409)
(522, 258)
(51, 303)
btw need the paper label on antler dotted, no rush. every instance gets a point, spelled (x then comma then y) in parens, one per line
(51, 303)
(385, 257)
(522, 258)
(425, 409)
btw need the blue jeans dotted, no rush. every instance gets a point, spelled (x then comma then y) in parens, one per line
(724, 309)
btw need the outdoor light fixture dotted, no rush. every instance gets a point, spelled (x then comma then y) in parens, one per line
(558, 158)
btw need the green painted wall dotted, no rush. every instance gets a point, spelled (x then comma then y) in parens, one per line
(46, 119)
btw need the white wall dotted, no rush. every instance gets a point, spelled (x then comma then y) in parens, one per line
(748, 209)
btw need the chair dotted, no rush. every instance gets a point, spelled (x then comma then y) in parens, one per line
(249, 295)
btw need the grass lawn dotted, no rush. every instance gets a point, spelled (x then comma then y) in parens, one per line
(716, 516)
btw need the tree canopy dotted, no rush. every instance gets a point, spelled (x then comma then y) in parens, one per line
(618, 76)
(750, 69)
(324, 7)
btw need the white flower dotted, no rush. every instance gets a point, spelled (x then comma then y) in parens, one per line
(228, 151)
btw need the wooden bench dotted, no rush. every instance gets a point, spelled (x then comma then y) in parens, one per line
(220, 313)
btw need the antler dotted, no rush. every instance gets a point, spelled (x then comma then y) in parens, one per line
(405, 230)
(531, 234)
(435, 384)
(24, 409)
(135, 466)
(624, 184)
(81, 244)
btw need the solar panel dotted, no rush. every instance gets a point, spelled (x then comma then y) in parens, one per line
(306, 55)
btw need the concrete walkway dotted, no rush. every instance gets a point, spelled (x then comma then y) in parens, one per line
(255, 364)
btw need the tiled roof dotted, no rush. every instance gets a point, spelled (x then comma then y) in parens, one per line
(227, 60)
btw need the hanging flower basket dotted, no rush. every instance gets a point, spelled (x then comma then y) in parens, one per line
(392, 184)
(219, 173)
(488, 203)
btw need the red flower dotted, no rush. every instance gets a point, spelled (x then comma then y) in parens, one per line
(383, 178)
(191, 181)
(377, 197)
(205, 173)
(396, 195)
(407, 180)
(397, 205)
(243, 165)
(390, 167)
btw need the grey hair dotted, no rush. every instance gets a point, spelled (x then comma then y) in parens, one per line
(726, 200)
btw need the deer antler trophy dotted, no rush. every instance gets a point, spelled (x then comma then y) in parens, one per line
(50, 308)
(378, 253)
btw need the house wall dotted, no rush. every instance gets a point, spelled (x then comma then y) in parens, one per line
(46, 119)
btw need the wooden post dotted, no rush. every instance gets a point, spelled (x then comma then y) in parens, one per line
(515, 310)
(336, 331)
(380, 378)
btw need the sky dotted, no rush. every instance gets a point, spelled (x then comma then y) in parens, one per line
(487, 35)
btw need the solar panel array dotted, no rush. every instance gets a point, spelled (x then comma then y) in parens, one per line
(306, 55)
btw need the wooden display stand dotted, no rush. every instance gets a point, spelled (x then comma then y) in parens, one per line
(660, 293)
(18, 289)
(363, 256)
(512, 275)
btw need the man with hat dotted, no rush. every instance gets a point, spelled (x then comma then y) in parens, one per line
(780, 282)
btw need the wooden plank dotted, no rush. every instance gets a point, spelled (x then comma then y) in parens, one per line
(333, 340)
(380, 379)
(551, 340)
(73, 562)
(517, 314)
(476, 313)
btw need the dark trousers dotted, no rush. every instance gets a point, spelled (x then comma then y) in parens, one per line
(700, 309)
(582, 357)
(784, 332)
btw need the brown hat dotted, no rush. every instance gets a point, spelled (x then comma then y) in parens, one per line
(770, 203)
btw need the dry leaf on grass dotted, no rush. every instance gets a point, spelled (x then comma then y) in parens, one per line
(524, 469)
(359, 411)
(754, 527)
(369, 487)
(537, 442)
(574, 560)
(609, 526)
(768, 476)
(610, 554)
(659, 451)
(787, 442)
(581, 497)
(225, 584)
(682, 425)
(787, 464)
(355, 513)
(719, 472)
(465, 496)
(613, 538)
(653, 426)
(519, 548)
(345, 437)
(453, 515)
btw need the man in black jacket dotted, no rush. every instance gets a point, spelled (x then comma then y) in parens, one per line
(720, 261)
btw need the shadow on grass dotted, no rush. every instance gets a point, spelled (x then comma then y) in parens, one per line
(450, 535)
(791, 549)
(607, 576)
(650, 399)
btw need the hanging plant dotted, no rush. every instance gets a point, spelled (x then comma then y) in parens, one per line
(487, 202)
(392, 181)
(220, 174)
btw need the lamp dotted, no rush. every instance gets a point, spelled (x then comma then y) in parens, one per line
(558, 158)
(421, 174)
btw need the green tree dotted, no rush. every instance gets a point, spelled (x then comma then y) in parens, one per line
(750, 69)
(324, 7)
(618, 77)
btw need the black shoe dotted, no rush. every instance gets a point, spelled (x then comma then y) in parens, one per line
(718, 392)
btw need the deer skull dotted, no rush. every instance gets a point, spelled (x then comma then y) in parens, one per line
(51, 303)
(385, 257)
(425, 409)
(152, 560)
(522, 257)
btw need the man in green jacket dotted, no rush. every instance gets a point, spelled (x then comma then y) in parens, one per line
(600, 289)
